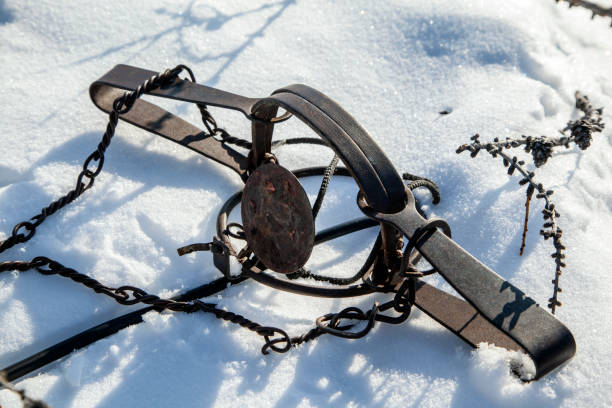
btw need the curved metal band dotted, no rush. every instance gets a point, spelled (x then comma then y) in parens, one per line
(392, 182)
(371, 169)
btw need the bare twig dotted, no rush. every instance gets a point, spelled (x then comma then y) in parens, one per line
(25, 400)
(550, 228)
(527, 202)
(541, 148)
(595, 9)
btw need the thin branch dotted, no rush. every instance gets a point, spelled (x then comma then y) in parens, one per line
(550, 228)
(527, 202)
(541, 148)
(595, 9)
(25, 400)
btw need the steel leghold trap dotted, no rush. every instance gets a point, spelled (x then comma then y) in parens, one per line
(279, 234)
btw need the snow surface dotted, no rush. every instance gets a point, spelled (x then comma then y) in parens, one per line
(503, 68)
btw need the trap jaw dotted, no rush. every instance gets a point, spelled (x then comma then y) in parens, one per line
(493, 310)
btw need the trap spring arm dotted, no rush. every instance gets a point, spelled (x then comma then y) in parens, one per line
(547, 341)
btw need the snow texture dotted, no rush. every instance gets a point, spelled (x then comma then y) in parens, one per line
(501, 68)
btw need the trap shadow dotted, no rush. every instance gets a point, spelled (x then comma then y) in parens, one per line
(182, 380)
(123, 160)
(328, 357)
(327, 371)
(433, 360)
(6, 14)
(186, 19)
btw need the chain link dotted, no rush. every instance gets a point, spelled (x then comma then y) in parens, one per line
(92, 167)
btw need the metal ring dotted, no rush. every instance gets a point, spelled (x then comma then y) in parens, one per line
(100, 159)
(352, 312)
(271, 343)
(431, 225)
(80, 183)
(24, 237)
(237, 235)
(120, 104)
(275, 120)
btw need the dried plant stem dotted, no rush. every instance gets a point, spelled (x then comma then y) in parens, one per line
(527, 202)
(26, 401)
(550, 228)
(541, 148)
(595, 9)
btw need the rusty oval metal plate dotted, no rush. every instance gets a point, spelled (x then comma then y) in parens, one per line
(277, 218)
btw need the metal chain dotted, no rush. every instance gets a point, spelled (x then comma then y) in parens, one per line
(213, 129)
(131, 295)
(402, 303)
(24, 231)
(306, 274)
(329, 172)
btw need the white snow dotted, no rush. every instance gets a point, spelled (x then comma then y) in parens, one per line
(503, 68)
